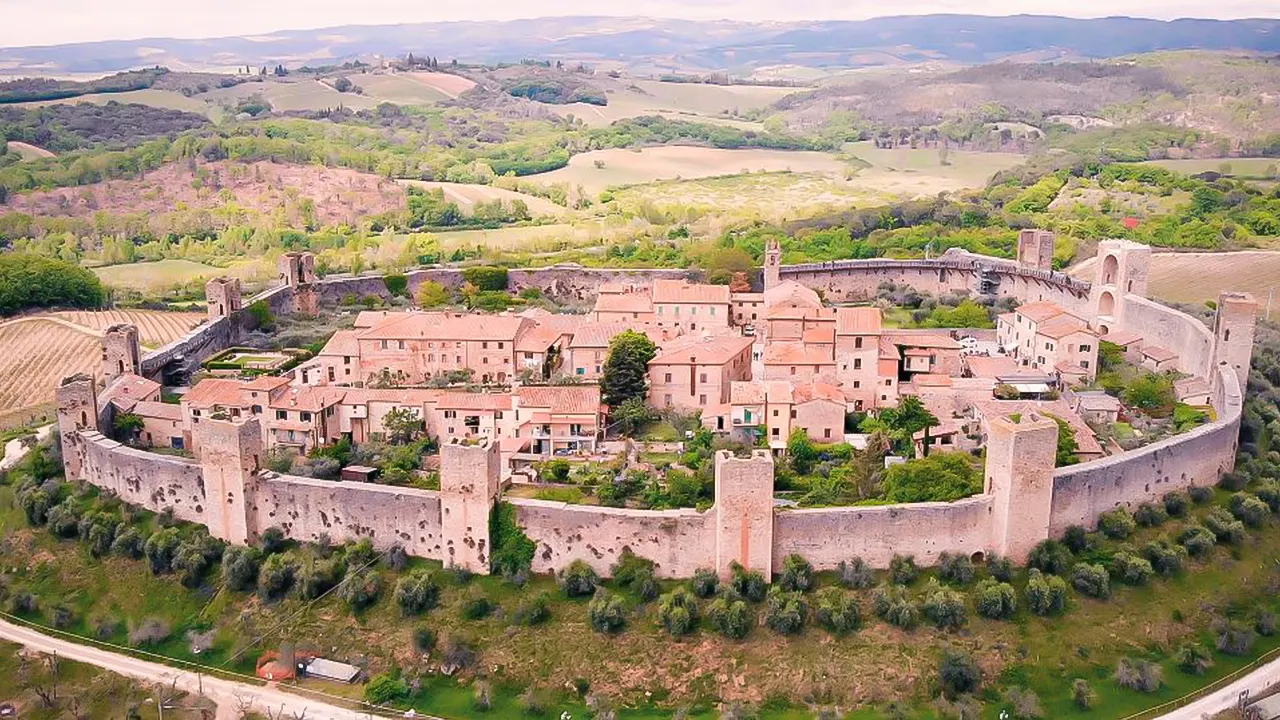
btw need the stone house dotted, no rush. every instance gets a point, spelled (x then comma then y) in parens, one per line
(694, 372)
(1043, 336)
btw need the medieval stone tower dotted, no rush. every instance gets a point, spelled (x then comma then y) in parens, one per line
(1233, 330)
(1123, 268)
(468, 488)
(772, 265)
(121, 352)
(744, 512)
(230, 456)
(1019, 470)
(297, 268)
(1035, 249)
(222, 295)
(77, 398)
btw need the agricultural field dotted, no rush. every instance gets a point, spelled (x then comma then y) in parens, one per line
(676, 100)
(28, 152)
(1197, 277)
(155, 329)
(632, 167)
(291, 94)
(1235, 167)
(155, 98)
(921, 171)
(167, 274)
(38, 354)
(467, 195)
(282, 195)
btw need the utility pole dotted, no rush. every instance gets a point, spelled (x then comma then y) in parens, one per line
(1271, 293)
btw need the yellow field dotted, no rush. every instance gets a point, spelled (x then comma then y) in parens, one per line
(166, 274)
(632, 167)
(156, 98)
(38, 354)
(399, 89)
(28, 152)
(686, 101)
(154, 328)
(1257, 167)
(1196, 277)
(920, 171)
(467, 195)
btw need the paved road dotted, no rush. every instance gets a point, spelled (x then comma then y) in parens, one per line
(229, 695)
(1215, 702)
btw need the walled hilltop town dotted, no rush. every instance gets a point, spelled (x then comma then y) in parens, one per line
(799, 356)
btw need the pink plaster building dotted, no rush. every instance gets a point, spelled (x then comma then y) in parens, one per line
(694, 372)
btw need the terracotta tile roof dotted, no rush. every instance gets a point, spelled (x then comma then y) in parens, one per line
(596, 335)
(680, 291)
(1040, 310)
(266, 382)
(796, 353)
(372, 318)
(858, 320)
(702, 350)
(1159, 354)
(787, 312)
(128, 389)
(449, 326)
(917, 352)
(1009, 318)
(343, 343)
(398, 396)
(215, 391)
(306, 398)
(632, 302)
(746, 393)
(1122, 337)
(1085, 439)
(158, 410)
(779, 392)
(990, 367)
(1062, 326)
(791, 293)
(1097, 401)
(537, 339)
(747, 297)
(888, 350)
(931, 380)
(809, 392)
(562, 399)
(819, 336)
(937, 339)
(473, 401)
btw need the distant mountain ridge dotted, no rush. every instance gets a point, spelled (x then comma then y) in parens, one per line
(676, 44)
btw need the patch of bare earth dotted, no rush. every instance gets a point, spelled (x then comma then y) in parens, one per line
(290, 192)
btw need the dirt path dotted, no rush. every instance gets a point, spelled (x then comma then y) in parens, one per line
(230, 696)
(15, 450)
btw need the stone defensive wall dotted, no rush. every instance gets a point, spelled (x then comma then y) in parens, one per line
(843, 281)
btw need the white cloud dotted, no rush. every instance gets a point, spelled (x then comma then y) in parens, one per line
(46, 22)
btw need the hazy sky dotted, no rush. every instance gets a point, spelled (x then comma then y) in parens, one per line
(50, 22)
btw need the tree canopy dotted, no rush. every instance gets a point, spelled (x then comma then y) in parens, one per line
(625, 374)
(28, 281)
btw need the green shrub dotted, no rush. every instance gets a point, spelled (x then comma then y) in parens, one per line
(396, 284)
(903, 570)
(1269, 493)
(678, 612)
(1046, 594)
(578, 579)
(958, 674)
(160, 549)
(417, 592)
(797, 574)
(944, 606)
(994, 599)
(1000, 568)
(731, 618)
(837, 610)
(1265, 623)
(705, 582)
(1200, 494)
(1077, 539)
(1091, 580)
(1193, 658)
(1131, 569)
(1082, 695)
(424, 639)
(1150, 515)
(636, 573)
(955, 568)
(894, 605)
(1176, 503)
(532, 610)
(1141, 675)
(856, 573)
(386, 688)
(1165, 557)
(486, 279)
(750, 584)
(607, 612)
(1050, 556)
(512, 548)
(1024, 703)
(272, 541)
(785, 611)
(1225, 528)
(240, 566)
(476, 605)
(360, 588)
(1232, 639)
(1116, 524)
(276, 576)
(1197, 540)
(1249, 509)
